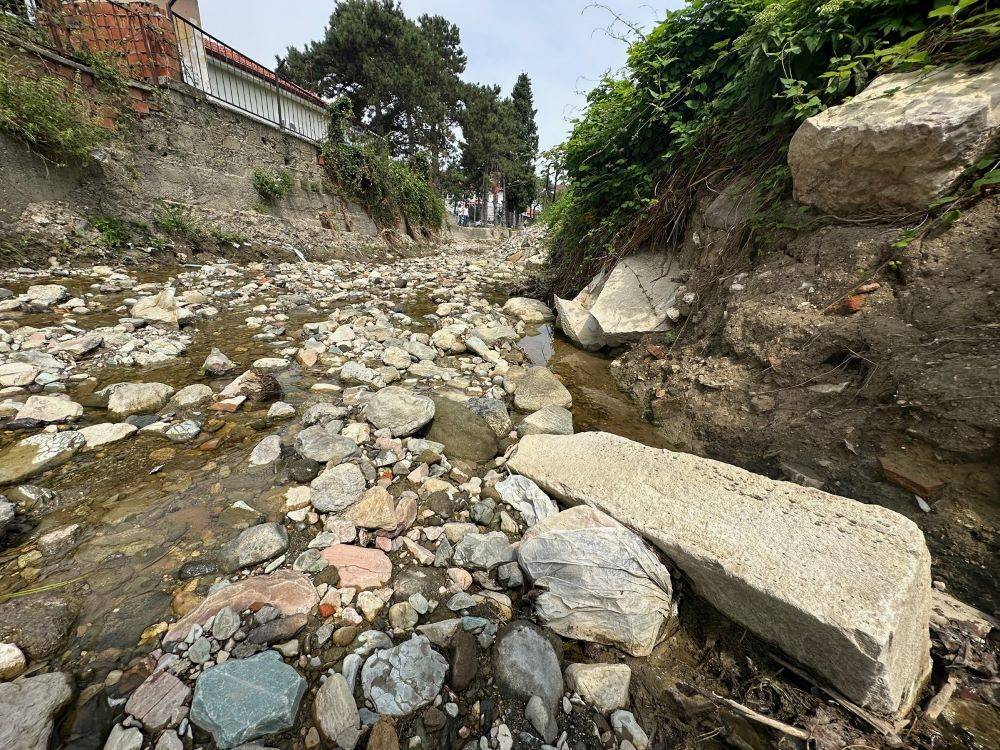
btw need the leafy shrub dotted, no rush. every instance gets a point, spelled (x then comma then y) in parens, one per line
(177, 221)
(117, 234)
(385, 187)
(51, 116)
(272, 185)
(717, 89)
(228, 237)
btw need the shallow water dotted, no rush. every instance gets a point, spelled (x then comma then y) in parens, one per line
(598, 403)
(146, 506)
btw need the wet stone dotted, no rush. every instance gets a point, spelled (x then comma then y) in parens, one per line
(255, 545)
(37, 453)
(196, 569)
(159, 702)
(400, 680)
(275, 631)
(38, 624)
(243, 699)
(318, 444)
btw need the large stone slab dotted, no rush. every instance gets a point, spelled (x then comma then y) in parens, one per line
(899, 144)
(637, 296)
(27, 708)
(580, 326)
(841, 586)
(243, 699)
(292, 593)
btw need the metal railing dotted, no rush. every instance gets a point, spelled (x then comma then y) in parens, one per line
(133, 38)
(235, 80)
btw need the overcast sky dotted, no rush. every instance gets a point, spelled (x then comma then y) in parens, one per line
(561, 44)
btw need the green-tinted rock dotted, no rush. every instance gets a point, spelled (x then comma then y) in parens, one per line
(242, 699)
(464, 433)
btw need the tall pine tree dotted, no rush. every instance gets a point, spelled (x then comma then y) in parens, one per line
(522, 187)
(400, 76)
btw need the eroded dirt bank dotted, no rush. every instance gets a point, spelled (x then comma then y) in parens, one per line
(783, 366)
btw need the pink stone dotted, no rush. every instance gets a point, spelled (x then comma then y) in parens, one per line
(307, 357)
(460, 577)
(419, 474)
(384, 543)
(292, 593)
(359, 567)
(159, 702)
(406, 513)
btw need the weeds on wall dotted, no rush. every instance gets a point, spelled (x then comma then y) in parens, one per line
(363, 169)
(271, 185)
(53, 117)
(716, 91)
(119, 234)
(387, 188)
(177, 222)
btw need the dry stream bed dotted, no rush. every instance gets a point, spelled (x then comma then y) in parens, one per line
(107, 549)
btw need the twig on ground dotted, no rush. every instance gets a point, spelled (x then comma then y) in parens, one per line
(760, 718)
(937, 704)
(885, 727)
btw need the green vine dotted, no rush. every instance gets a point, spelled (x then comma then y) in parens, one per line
(53, 117)
(387, 188)
(717, 90)
(272, 185)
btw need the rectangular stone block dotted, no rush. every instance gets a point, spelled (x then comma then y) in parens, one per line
(841, 586)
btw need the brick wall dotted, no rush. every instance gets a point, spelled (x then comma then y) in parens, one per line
(139, 97)
(138, 37)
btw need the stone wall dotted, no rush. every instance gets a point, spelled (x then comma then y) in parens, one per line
(201, 155)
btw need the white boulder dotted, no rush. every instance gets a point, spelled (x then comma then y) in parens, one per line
(841, 586)
(599, 581)
(899, 144)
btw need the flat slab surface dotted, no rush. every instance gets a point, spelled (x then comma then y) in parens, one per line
(841, 586)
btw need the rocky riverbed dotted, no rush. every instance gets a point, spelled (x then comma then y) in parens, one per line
(270, 505)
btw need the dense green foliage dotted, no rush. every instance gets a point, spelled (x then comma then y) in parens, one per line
(51, 116)
(520, 181)
(400, 76)
(500, 143)
(271, 184)
(386, 187)
(717, 89)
